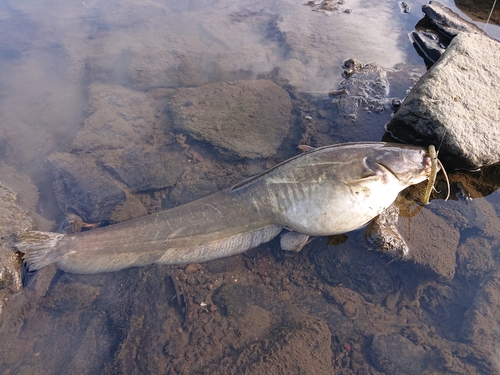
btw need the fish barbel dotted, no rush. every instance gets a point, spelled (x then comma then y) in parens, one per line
(330, 190)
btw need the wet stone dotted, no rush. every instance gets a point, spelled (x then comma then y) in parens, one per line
(474, 258)
(190, 190)
(481, 326)
(161, 69)
(363, 271)
(383, 233)
(456, 103)
(479, 10)
(228, 264)
(82, 188)
(449, 23)
(279, 354)
(144, 169)
(246, 118)
(395, 354)
(118, 117)
(14, 219)
(432, 240)
(365, 87)
(236, 299)
(10, 279)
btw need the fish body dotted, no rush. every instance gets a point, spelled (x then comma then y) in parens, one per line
(330, 190)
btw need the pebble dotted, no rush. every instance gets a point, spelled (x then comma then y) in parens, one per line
(193, 267)
(348, 308)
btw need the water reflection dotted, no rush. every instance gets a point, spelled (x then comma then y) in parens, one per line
(92, 80)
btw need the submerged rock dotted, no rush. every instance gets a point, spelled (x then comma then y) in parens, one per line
(125, 134)
(13, 217)
(383, 233)
(355, 268)
(18, 199)
(10, 278)
(297, 347)
(118, 117)
(246, 118)
(456, 101)
(481, 325)
(432, 241)
(82, 188)
(395, 354)
(403, 235)
(145, 168)
(162, 69)
(365, 86)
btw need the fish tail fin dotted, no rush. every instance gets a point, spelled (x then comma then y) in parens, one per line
(38, 249)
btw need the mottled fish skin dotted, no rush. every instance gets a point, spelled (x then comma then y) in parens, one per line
(330, 190)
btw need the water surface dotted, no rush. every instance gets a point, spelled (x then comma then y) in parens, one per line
(67, 65)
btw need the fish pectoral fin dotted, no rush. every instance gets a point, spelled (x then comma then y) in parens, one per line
(294, 241)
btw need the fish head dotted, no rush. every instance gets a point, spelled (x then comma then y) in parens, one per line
(410, 165)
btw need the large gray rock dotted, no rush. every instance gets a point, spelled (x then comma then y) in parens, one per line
(457, 101)
(247, 118)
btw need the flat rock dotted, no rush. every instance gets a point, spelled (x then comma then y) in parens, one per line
(125, 135)
(355, 268)
(83, 188)
(436, 252)
(236, 299)
(13, 217)
(118, 117)
(457, 101)
(279, 354)
(244, 63)
(474, 259)
(246, 118)
(395, 354)
(145, 168)
(162, 69)
(310, 337)
(481, 325)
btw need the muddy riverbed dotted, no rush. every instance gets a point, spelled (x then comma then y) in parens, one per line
(113, 110)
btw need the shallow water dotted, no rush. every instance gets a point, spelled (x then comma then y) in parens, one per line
(70, 65)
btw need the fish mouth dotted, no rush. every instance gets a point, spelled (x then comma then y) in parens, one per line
(427, 162)
(425, 170)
